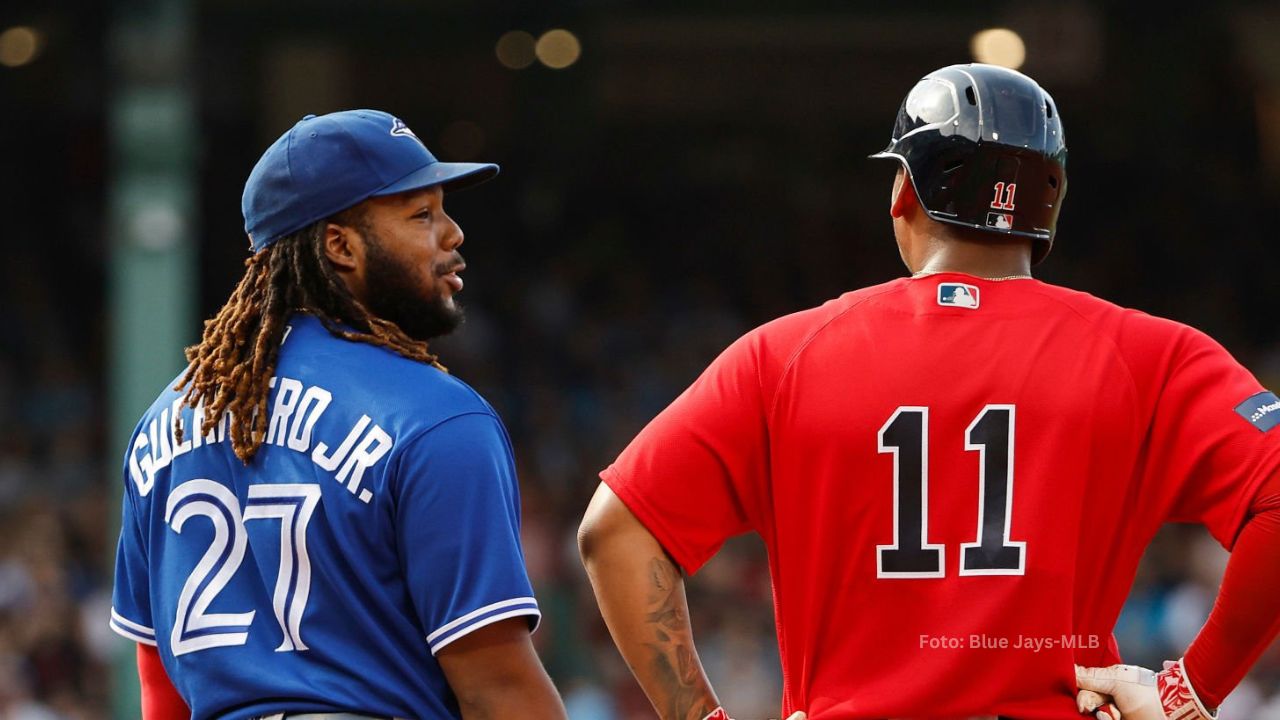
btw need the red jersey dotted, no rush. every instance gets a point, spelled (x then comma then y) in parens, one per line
(955, 479)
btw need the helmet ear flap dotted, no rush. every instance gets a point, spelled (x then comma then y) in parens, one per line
(1057, 182)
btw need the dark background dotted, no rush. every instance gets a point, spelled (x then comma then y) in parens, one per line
(699, 170)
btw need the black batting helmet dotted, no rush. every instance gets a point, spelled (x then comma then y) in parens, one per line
(984, 148)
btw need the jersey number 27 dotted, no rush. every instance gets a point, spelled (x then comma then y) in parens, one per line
(906, 435)
(194, 627)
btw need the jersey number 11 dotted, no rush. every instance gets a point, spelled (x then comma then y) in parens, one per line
(906, 436)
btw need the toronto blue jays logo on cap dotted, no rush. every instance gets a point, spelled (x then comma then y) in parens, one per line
(1261, 410)
(958, 295)
(399, 129)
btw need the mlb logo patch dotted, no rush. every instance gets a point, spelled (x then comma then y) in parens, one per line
(1000, 221)
(1261, 410)
(958, 295)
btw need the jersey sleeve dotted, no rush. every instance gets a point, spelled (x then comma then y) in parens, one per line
(130, 599)
(458, 529)
(693, 475)
(1213, 436)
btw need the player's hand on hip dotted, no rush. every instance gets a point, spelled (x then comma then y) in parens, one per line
(1140, 694)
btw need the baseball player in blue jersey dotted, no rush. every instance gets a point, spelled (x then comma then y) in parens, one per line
(319, 522)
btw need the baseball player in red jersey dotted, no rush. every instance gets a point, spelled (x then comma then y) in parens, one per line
(955, 473)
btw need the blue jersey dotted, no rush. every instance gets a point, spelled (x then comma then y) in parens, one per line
(378, 523)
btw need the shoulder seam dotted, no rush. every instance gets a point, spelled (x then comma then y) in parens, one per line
(804, 343)
(419, 434)
(1124, 362)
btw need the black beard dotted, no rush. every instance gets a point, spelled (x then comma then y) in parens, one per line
(394, 295)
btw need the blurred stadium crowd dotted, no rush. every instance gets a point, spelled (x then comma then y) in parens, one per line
(628, 241)
(574, 380)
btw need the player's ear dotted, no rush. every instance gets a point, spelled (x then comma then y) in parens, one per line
(344, 247)
(904, 195)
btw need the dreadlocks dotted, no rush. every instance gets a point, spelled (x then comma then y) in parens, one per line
(231, 367)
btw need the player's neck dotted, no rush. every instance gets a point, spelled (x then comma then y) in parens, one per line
(981, 259)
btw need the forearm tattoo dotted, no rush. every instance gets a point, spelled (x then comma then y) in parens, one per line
(673, 665)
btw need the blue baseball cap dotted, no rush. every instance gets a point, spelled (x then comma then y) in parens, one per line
(328, 163)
